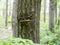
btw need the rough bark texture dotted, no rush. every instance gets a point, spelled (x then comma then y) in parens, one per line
(51, 15)
(27, 17)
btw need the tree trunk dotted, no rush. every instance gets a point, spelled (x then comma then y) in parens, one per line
(51, 15)
(27, 19)
(14, 19)
(44, 10)
(59, 19)
(6, 17)
(55, 13)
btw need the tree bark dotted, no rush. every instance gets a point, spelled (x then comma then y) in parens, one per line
(14, 19)
(51, 15)
(59, 19)
(44, 10)
(6, 17)
(55, 13)
(27, 19)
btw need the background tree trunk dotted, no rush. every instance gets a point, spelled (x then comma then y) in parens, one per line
(6, 17)
(44, 10)
(59, 19)
(14, 19)
(51, 15)
(55, 13)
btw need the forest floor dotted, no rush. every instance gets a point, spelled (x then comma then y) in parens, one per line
(5, 32)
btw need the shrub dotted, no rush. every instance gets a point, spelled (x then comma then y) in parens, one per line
(16, 41)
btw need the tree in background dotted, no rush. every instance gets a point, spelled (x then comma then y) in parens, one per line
(26, 16)
(44, 10)
(51, 15)
(14, 19)
(58, 13)
(6, 17)
(55, 12)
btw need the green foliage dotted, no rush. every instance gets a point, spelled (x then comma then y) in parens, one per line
(16, 41)
(2, 21)
(47, 37)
